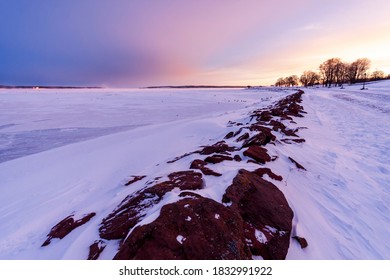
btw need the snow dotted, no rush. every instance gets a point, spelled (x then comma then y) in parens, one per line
(260, 236)
(180, 239)
(60, 117)
(71, 151)
(341, 203)
(39, 189)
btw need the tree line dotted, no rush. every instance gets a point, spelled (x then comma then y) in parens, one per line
(334, 72)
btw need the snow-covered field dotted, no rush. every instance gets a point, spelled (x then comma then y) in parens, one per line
(32, 121)
(71, 151)
(343, 202)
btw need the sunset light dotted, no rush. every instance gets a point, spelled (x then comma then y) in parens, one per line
(136, 43)
(194, 139)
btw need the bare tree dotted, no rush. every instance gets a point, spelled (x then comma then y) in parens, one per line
(357, 70)
(377, 75)
(333, 72)
(292, 80)
(328, 70)
(341, 73)
(280, 82)
(309, 78)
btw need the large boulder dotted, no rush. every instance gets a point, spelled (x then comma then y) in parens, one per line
(265, 211)
(192, 229)
(257, 153)
(133, 208)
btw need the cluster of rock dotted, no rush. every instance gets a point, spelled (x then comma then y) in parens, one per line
(253, 218)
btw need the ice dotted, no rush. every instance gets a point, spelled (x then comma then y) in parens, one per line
(32, 121)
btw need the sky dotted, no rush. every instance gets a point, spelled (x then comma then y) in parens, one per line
(132, 43)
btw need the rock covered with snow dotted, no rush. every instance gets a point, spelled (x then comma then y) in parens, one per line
(192, 229)
(65, 226)
(132, 209)
(201, 165)
(260, 219)
(257, 153)
(264, 208)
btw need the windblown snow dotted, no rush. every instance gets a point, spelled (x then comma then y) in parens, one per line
(65, 152)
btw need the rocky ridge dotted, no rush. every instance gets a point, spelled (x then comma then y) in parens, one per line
(253, 219)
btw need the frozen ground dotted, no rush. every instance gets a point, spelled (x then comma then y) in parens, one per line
(32, 121)
(66, 152)
(343, 201)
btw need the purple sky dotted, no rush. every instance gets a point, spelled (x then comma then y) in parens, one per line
(139, 43)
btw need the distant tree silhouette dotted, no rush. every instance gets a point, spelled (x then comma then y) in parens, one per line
(340, 73)
(292, 81)
(309, 78)
(281, 82)
(289, 81)
(334, 72)
(358, 69)
(330, 71)
(377, 75)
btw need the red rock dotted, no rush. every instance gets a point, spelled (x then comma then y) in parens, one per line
(201, 165)
(300, 140)
(95, 249)
(190, 194)
(262, 206)
(64, 227)
(277, 125)
(289, 106)
(243, 137)
(288, 141)
(290, 132)
(280, 112)
(231, 123)
(191, 229)
(219, 147)
(180, 157)
(295, 109)
(260, 139)
(217, 159)
(302, 241)
(257, 153)
(132, 209)
(185, 180)
(261, 128)
(135, 179)
(262, 115)
(284, 108)
(296, 163)
(262, 171)
(237, 132)
(237, 158)
(229, 135)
